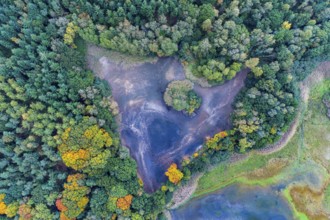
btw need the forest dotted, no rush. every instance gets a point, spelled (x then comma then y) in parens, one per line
(60, 150)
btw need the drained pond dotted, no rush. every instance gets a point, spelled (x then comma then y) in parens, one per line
(156, 134)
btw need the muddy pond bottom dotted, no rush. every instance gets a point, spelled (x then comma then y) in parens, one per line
(155, 134)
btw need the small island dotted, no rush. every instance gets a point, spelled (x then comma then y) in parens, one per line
(181, 96)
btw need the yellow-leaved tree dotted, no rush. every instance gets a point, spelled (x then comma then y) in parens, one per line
(286, 25)
(174, 174)
(85, 147)
(74, 197)
(70, 33)
(9, 210)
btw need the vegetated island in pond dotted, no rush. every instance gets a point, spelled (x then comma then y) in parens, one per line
(155, 134)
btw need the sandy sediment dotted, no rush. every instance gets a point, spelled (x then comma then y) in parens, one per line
(183, 193)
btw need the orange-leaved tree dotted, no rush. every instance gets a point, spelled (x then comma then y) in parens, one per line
(85, 147)
(124, 203)
(174, 174)
(24, 212)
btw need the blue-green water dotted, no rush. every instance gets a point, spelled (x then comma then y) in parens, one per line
(237, 202)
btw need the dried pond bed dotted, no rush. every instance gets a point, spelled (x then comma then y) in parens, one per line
(156, 135)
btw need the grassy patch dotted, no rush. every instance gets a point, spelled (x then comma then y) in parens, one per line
(117, 57)
(319, 90)
(317, 126)
(242, 171)
(326, 200)
(272, 168)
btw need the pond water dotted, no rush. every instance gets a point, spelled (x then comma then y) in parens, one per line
(155, 134)
(237, 202)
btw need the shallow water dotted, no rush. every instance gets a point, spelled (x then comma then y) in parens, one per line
(237, 202)
(155, 134)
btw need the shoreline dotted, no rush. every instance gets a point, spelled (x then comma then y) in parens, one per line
(184, 193)
(320, 73)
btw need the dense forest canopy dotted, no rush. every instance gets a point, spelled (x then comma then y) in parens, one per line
(60, 154)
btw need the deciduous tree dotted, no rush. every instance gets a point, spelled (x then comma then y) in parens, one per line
(174, 174)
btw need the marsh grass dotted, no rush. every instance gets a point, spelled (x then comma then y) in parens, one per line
(308, 201)
(242, 171)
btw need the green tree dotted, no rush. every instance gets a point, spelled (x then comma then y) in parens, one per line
(206, 11)
(180, 96)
